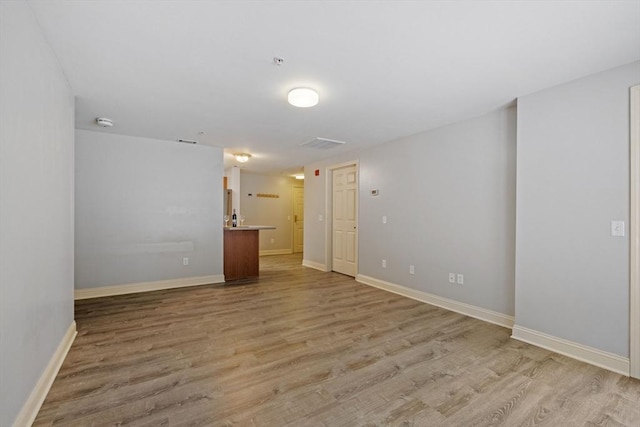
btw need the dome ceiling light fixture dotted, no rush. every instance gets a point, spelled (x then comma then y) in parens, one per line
(242, 157)
(303, 97)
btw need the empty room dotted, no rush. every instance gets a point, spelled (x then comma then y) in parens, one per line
(319, 213)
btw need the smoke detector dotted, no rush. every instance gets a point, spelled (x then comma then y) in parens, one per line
(104, 122)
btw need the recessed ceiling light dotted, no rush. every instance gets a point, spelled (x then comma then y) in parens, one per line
(303, 97)
(242, 157)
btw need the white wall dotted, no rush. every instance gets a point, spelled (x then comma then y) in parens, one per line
(269, 211)
(144, 204)
(36, 206)
(449, 197)
(572, 278)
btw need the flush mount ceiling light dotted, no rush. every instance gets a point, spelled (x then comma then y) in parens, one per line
(242, 157)
(303, 97)
(104, 122)
(299, 176)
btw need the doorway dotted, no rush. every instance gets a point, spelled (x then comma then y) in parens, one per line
(343, 241)
(297, 235)
(634, 235)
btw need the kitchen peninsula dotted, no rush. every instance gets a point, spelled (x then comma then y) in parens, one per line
(241, 251)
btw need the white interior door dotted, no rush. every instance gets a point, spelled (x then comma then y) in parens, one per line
(344, 220)
(298, 219)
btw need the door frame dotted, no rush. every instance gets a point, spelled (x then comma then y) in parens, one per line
(634, 233)
(328, 212)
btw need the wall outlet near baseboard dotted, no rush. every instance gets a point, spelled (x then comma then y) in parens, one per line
(384, 263)
(185, 261)
(452, 277)
(460, 279)
(412, 269)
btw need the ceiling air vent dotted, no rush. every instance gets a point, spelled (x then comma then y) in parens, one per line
(322, 143)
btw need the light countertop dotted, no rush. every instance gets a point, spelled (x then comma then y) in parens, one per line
(250, 227)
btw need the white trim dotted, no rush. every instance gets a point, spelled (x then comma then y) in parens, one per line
(634, 233)
(313, 264)
(268, 252)
(31, 407)
(449, 304)
(591, 355)
(133, 288)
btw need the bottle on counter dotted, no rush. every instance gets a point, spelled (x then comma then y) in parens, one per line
(234, 219)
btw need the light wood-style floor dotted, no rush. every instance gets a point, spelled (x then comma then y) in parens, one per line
(305, 348)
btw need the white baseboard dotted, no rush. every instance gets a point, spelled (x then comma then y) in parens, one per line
(132, 288)
(31, 407)
(268, 252)
(591, 355)
(459, 307)
(313, 264)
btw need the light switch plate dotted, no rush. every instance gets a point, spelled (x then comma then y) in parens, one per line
(617, 228)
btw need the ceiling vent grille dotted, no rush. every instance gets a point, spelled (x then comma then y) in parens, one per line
(322, 143)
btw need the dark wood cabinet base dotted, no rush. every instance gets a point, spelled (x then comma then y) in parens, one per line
(241, 250)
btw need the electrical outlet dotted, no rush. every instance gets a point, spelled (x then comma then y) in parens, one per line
(273, 240)
(460, 279)
(185, 261)
(452, 277)
(384, 219)
(384, 263)
(412, 269)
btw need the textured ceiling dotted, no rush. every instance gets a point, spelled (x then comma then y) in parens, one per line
(384, 69)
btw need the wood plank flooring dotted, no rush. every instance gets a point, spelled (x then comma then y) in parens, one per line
(301, 347)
